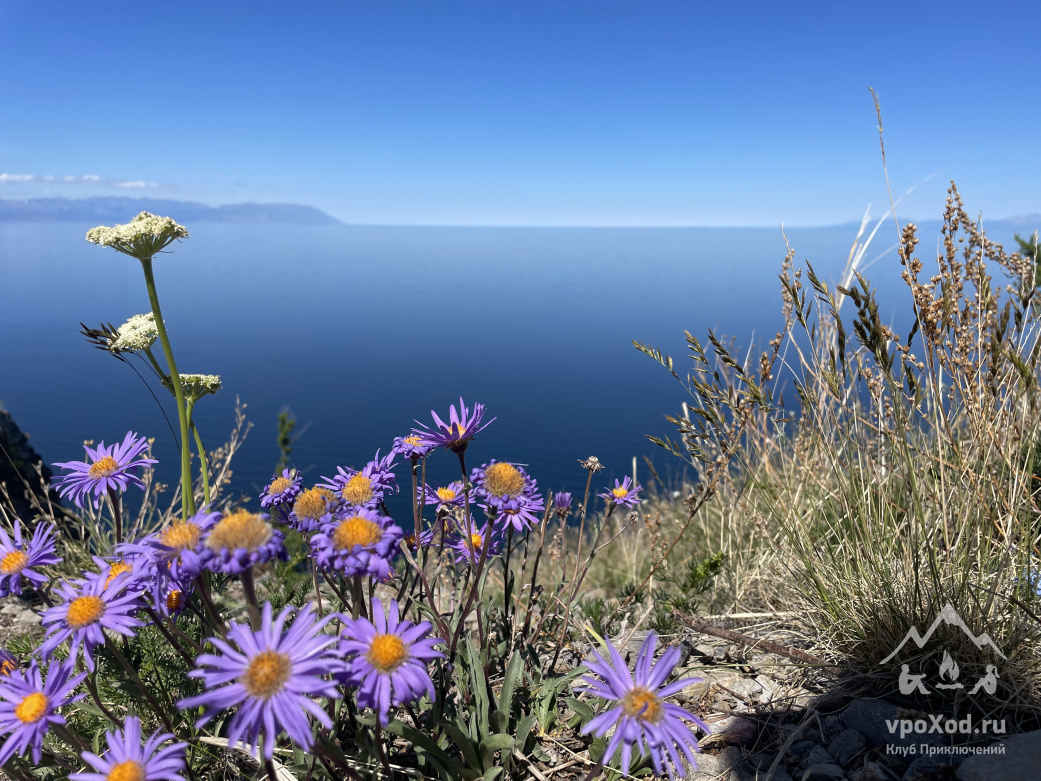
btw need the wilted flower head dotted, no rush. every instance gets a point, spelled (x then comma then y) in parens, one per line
(17, 559)
(198, 385)
(456, 434)
(137, 333)
(140, 238)
(269, 676)
(562, 503)
(29, 703)
(128, 760)
(412, 446)
(282, 489)
(626, 493)
(361, 542)
(638, 711)
(387, 659)
(89, 608)
(241, 540)
(365, 487)
(110, 468)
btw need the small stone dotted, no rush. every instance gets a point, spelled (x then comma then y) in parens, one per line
(823, 773)
(878, 721)
(833, 725)
(1020, 762)
(801, 749)
(735, 731)
(846, 745)
(769, 691)
(817, 756)
(747, 688)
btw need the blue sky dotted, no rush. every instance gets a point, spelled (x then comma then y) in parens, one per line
(571, 112)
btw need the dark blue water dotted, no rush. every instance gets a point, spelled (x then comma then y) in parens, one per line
(361, 329)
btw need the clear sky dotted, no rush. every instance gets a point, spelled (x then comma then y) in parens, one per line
(541, 112)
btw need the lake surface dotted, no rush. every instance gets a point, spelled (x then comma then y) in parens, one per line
(359, 330)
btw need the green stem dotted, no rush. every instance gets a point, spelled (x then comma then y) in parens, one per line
(187, 492)
(250, 590)
(204, 466)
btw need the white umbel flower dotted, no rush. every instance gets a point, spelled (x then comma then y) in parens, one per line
(198, 385)
(137, 333)
(140, 238)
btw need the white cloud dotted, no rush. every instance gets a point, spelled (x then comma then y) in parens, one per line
(85, 179)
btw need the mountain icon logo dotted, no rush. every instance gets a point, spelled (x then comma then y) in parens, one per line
(950, 617)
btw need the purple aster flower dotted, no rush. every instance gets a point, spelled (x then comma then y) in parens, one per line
(625, 493)
(313, 508)
(638, 710)
(270, 678)
(240, 540)
(109, 470)
(17, 559)
(128, 760)
(282, 489)
(388, 660)
(90, 607)
(471, 550)
(365, 487)
(412, 447)
(176, 552)
(361, 542)
(446, 497)
(458, 431)
(507, 491)
(521, 512)
(562, 504)
(8, 663)
(29, 705)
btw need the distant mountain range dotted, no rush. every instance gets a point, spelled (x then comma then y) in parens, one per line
(118, 210)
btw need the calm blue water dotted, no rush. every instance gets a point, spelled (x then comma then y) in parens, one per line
(361, 329)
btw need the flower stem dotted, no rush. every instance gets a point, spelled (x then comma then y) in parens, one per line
(204, 466)
(187, 491)
(250, 590)
(117, 514)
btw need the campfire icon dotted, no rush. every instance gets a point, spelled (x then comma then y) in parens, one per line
(949, 672)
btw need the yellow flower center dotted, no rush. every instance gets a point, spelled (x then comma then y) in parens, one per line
(117, 569)
(445, 494)
(7, 666)
(313, 503)
(412, 440)
(267, 673)
(386, 653)
(181, 535)
(503, 480)
(103, 467)
(131, 770)
(31, 709)
(84, 610)
(240, 530)
(13, 562)
(620, 493)
(278, 485)
(643, 704)
(358, 490)
(476, 541)
(356, 531)
(174, 600)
